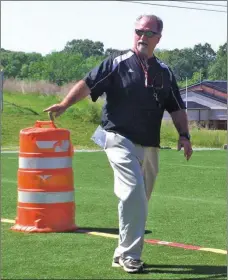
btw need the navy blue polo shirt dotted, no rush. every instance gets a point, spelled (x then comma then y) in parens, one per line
(133, 108)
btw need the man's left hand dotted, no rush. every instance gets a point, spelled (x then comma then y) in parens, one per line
(186, 144)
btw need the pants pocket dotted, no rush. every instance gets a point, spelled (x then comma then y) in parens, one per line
(109, 139)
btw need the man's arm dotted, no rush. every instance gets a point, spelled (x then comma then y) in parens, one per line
(180, 121)
(79, 91)
(94, 83)
(176, 108)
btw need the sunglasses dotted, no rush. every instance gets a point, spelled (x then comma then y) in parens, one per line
(147, 33)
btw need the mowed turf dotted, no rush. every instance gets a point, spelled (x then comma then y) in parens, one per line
(188, 206)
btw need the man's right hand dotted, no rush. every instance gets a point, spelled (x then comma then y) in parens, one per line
(56, 109)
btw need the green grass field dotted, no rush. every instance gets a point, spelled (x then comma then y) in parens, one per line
(188, 206)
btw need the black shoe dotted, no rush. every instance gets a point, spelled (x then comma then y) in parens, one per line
(131, 265)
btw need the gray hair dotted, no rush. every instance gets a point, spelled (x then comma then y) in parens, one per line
(152, 17)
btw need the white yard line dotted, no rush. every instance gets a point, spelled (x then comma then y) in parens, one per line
(76, 151)
(8, 151)
(7, 221)
(8, 181)
(196, 166)
(192, 199)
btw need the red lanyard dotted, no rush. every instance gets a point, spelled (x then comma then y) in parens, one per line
(145, 70)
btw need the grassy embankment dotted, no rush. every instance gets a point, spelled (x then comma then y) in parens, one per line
(22, 110)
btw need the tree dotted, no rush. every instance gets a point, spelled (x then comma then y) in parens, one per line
(180, 61)
(80, 56)
(86, 47)
(16, 64)
(218, 68)
(37, 71)
(204, 55)
(24, 71)
(33, 57)
(195, 79)
(61, 67)
(183, 64)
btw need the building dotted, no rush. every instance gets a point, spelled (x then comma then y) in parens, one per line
(206, 104)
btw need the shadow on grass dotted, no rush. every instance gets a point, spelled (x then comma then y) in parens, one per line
(103, 230)
(203, 271)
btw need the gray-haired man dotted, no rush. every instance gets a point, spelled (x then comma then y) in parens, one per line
(138, 87)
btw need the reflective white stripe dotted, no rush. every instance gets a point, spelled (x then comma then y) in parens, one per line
(45, 197)
(62, 146)
(116, 61)
(45, 163)
(120, 58)
(45, 144)
(175, 98)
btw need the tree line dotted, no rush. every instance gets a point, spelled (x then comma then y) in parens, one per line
(80, 56)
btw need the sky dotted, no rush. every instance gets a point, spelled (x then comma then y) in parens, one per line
(46, 26)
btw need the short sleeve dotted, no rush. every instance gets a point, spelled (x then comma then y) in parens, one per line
(98, 79)
(174, 102)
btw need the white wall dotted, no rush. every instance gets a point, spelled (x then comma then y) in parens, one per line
(217, 111)
(218, 115)
(193, 115)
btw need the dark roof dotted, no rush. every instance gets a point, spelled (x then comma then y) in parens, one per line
(211, 96)
(220, 85)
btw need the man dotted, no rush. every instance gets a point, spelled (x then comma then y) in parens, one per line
(138, 88)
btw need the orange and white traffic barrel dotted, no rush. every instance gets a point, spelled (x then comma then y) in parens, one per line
(46, 199)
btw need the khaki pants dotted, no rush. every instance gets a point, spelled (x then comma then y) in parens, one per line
(135, 169)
